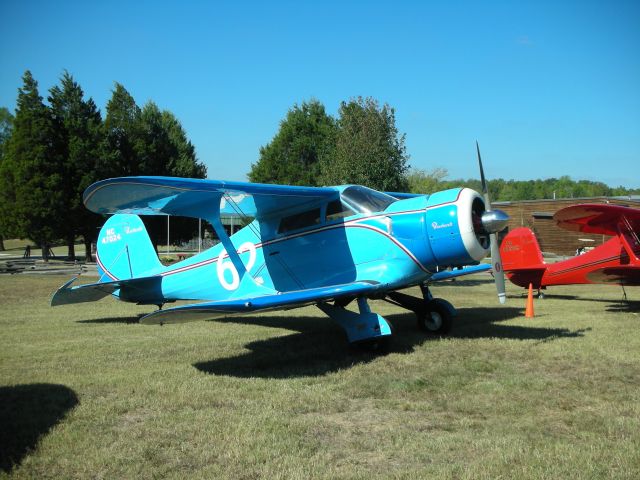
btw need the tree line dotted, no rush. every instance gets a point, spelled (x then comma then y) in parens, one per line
(421, 181)
(51, 152)
(363, 146)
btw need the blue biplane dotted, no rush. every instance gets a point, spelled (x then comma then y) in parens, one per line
(326, 246)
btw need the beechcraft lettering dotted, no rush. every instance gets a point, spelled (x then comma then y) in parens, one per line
(128, 230)
(437, 226)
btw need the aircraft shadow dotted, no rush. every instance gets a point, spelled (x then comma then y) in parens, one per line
(127, 320)
(27, 412)
(319, 347)
(624, 305)
(475, 323)
(462, 281)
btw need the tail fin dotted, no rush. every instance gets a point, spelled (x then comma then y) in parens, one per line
(520, 250)
(124, 249)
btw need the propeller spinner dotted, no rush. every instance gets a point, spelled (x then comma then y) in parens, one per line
(492, 222)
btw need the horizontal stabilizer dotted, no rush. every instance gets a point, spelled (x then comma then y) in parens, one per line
(448, 274)
(66, 294)
(91, 292)
(221, 308)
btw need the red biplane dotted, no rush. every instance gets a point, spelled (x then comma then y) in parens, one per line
(617, 261)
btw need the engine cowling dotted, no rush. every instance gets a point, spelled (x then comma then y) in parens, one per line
(454, 227)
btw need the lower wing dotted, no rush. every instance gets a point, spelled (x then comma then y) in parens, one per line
(621, 275)
(220, 308)
(458, 272)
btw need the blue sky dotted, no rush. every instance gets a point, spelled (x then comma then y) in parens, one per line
(548, 88)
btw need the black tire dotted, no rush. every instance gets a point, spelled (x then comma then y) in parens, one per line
(437, 320)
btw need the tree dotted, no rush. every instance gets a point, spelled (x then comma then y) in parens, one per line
(79, 136)
(421, 181)
(184, 163)
(33, 171)
(122, 136)
(162, 148)
(6, 127)
(368, 149)
(306, 136)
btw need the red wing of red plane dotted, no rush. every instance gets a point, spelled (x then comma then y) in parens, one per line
(617, 261)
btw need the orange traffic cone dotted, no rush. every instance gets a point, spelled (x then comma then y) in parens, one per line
(529, 311)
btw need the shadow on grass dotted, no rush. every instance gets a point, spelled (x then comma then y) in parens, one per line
(27, 412)
(464, 282)
(320, 347)
(475, 323)
(127, 320)
(624, 306)
(552, 296)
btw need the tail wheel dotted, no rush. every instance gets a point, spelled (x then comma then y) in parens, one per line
(437, 319)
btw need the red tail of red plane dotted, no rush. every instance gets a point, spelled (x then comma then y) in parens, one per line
(522, 259)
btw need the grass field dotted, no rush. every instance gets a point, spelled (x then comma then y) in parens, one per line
(86, 392)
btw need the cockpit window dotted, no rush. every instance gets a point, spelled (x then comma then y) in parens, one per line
(299, 220)
(366, 200)
(336, 209)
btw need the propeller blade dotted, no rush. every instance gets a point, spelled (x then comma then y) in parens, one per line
(493, 221)
(483, 181)
(496, 264)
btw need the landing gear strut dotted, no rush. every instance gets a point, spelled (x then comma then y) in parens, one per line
(434, 315)
(366, 330)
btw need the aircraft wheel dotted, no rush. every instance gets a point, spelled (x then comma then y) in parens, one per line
(437, 320)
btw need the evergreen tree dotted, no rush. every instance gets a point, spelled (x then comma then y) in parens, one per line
(185, 162)
(162, 148)
(305, 137)
(33, 171)
(368, 149)
(6, 127)
(79, 135)
(122, 136)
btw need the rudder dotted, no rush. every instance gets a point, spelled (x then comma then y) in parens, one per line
(124, 249)
(520, 249)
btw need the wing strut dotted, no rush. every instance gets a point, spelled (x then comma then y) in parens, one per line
(214, 219)
(629, 238)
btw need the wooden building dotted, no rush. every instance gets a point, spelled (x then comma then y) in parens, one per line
(538, 216)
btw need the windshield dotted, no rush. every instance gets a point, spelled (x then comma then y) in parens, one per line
(366, 200)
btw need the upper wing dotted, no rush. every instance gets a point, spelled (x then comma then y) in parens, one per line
(597, 218)
(210, 310)
(190, 197)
